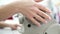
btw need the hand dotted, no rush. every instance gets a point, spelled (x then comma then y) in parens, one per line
(14, 26)
(35, 12)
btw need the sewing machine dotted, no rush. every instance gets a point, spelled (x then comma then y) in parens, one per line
(51, 28)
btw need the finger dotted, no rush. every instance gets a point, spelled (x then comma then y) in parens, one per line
(44, 15)
(40, 19)
(19, 25)
(35, 22)
(44, 9)
(37, 17)
(41, 13)
(31, 18)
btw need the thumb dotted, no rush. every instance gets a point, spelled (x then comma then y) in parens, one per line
(19, 25)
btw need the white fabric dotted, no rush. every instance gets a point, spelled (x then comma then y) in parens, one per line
(8, 30)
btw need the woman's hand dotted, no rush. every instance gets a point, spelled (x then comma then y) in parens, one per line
(33, 11)
(14, 26)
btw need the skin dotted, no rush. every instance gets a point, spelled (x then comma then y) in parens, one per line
(32, 12)
(12, 26)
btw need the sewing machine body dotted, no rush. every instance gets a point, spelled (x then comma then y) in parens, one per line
(52, 27)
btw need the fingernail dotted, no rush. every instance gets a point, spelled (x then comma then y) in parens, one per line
(38, 25)
(46, 22)
(49, 18)
(50, 11)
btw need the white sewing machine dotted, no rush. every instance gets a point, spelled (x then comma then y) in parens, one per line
(29, 28)
(51, 28)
